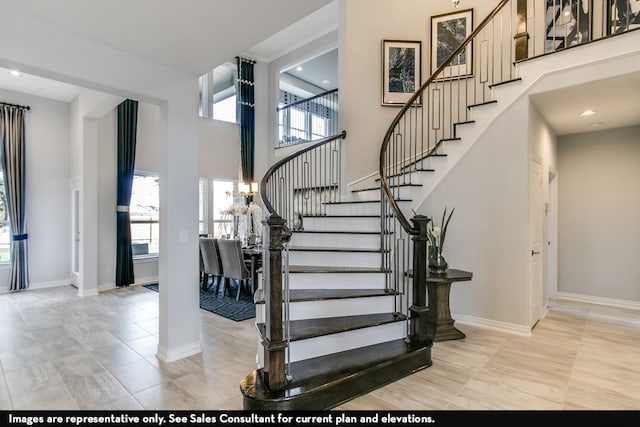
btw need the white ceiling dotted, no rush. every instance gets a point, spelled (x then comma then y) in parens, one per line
(321, 71)
(616, 102)
(159, 30)
(193, 36)
(145, 29)
(38, 86)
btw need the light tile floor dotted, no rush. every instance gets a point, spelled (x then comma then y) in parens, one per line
(61, 351)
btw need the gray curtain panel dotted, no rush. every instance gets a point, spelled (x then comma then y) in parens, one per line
(13, 163)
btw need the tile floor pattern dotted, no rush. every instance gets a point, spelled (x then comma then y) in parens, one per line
(61, 351)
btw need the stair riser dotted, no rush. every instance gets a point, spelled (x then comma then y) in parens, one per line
(328, 240)
(320, 346)
(335, 280)
(334, 308)
(335, 259)
(341, 224)
(399, 193)
(367, 195)
(369, 208)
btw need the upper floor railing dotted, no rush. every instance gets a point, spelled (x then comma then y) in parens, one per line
(308, 119)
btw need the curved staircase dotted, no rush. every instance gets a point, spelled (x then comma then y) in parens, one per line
(337, 314)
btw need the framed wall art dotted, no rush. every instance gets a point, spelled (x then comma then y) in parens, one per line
(401, 70)
(448, 32)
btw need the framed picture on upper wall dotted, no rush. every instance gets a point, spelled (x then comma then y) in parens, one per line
(623, 15)
(448, 32)
(569, 23)
(401, 71)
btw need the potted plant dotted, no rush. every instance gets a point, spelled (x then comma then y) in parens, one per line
(436, 234)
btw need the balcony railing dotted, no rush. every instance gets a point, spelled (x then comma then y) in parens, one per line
(308, 119)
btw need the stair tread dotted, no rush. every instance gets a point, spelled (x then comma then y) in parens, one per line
(332, 269)
(312, 328)
(362, 201)
(299, 295)
(517, 79)
(482, 103)
(332, 249)
(338, 376)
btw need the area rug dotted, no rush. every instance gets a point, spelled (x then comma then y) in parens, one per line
(224, 305)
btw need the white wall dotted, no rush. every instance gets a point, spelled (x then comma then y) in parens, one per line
(107, 201)
(47, 186)
(219, 145)
(599, 209)
(488, 233)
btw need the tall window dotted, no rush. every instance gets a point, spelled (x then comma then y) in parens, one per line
(144, 211)
(225, 194)
(218, 89)
(5, 227)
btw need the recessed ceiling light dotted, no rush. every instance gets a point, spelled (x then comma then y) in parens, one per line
(326, 82)
(299, 68)
(15, 73)
(587, 113)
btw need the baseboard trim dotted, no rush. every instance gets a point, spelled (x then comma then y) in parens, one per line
(40, 285)
(50, 284)
(510, 328)
(181, 352)
(140, 282)
(611, 302)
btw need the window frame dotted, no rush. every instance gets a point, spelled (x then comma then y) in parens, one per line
(203, 205)
(151, 221)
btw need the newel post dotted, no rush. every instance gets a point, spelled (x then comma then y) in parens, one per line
(273, 342)
(422, 316)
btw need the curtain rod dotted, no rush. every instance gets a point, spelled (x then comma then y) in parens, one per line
(16, 105)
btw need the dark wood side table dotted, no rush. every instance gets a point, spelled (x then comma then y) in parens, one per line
(439, 287)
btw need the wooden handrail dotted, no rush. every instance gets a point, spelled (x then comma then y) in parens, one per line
(265, 179)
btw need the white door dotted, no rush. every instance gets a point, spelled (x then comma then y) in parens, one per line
(536, 237)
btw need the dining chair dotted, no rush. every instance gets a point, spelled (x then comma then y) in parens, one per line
(233, 263)
(211, 263)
